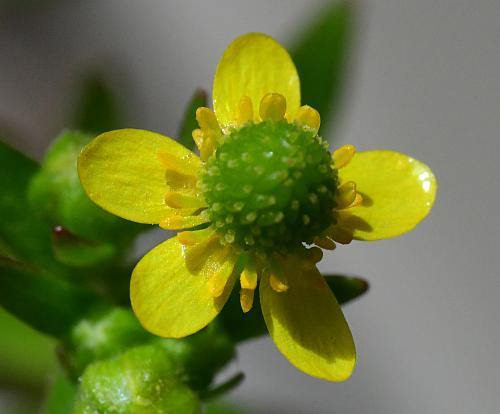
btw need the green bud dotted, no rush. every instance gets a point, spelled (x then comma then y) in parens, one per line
(56, 191)
(101, 335)
(141, 380)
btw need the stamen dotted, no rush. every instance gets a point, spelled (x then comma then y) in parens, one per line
(325, 243)
(358, 200)
(346, 194)
(248, 278)
(343, 156)
(341, 235)
(277, 280)
(314, 254)
(218, 281)
(190, 238)
(176, 222)
(188, 165)
(180, 200)
(246, 299)
(273, 107)
(308, 117)
(244, 111)
(211, 132)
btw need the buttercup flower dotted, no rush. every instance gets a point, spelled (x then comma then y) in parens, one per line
(257, 206)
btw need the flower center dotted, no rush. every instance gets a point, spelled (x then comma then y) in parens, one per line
(270, 186)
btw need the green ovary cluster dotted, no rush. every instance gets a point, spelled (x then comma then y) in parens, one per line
(270, 186)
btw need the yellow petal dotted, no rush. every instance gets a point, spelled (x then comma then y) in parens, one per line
(397, 193)
(170, 299)
(307, 325)
(120, 171)
(254, 65)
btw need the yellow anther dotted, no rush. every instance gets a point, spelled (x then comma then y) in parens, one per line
(343, 156)
(176, 221)
(308, 117)
(190, 238)
(245, 111)
(188, 165)
(217, 282)
(246, 299)
(208, 148)
(358, 200)
(277, 280)
(341, 235)
(273, 107)
(207, 121)
(248, 278)
(180, 200)
(346, 194)
(198, 137)
(325, 243)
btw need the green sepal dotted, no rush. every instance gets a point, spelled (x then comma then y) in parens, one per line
(103, 333)
(143, 379)
(56, 191)
(22, 235)
(321, 53)
(96, 107)
(48, 304)
(189, 120)
(201, 355)
(243, 326)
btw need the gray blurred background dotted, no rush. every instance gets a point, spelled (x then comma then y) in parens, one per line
(425, 80)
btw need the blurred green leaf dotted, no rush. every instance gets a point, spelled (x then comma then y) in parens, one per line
(75, 251)
(22, 234)
(242, 326)
(97, 109)
(61, 397)
(189, 121)
(320, 54)
(26, 356)
(48, 304)
(201, 355)
(346, 288)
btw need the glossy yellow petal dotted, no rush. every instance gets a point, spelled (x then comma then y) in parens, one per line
(307, 324)
(397, 193)
(254, 65)
(171, 299)
(121, 172)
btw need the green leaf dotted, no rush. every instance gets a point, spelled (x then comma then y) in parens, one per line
(61, 397)
(97, 109)
(189, 121)
(320, 54)
(190, 353)
(21, 233)
(49, 305)
(18, 342)
(346, 288)
(243, 326)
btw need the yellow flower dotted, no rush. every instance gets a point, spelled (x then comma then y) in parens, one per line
(259, 202)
